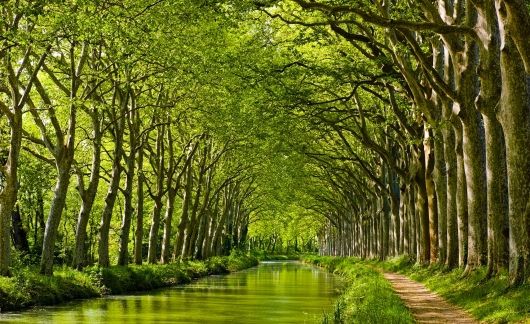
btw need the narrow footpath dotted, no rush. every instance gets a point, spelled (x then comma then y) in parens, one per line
(426, 306)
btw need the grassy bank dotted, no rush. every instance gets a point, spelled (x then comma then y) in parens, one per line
(28, 288)
(368, 298)
(490, 301)
(265, 256)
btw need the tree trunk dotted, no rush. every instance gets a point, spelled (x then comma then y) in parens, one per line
(19, 235)
(461, 194)
(8, 194)
(166, 240)
(515, 119)
(88, 197)
(440, 181)
(431, 196)
(110, 199)
(452, 184)
(179, 242)
(474, 164)
(139, 234)
(54, 217)
(153, 232)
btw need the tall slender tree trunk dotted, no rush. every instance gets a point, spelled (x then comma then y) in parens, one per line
(106, 215)
(474, 165)
(88, 197)
(133, 123)
(139, 233)
(123, 248)
(159, 166)
(452, 184)
(8, 194)
(440, 181)
(166, 239)
(153, 232)
(431, 195)
(54, 217)
(184, 217)
(461, 194)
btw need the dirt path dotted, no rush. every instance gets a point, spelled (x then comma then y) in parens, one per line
(426, 306)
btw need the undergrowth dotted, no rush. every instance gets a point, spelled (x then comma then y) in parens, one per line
(368, 298)
(489, 300)
(266, 256)
(28, 288)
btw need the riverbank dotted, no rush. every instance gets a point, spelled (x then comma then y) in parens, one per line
(265, 256)
(487, 300)
(27, 288)
(368, 298)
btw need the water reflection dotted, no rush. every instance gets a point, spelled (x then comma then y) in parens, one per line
(274, 292)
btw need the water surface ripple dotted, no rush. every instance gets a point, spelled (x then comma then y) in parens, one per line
(273, 292)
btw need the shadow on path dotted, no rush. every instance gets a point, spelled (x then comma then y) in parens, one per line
(426, 306)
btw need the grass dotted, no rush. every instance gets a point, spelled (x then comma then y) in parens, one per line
(265, 256)
(369, 298)
(28, 288)
(490, 301)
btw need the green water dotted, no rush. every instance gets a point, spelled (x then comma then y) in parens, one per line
(273, 292)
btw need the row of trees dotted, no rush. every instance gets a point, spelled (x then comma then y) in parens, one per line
(422, 111)
(403, 126)
(109, 104)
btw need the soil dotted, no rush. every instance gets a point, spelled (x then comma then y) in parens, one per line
(426, 306)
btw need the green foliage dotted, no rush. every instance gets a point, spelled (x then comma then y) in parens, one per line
(237, 260)
(369, 298)
(28, 288)
(266, 256)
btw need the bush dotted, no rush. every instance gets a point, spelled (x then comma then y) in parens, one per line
(369, 298)
(28, 288)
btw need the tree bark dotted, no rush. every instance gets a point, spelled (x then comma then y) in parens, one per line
(184, 217)
(106, 215)
(88, 196)
(515, 119)
(139, 233)
(431, 196)
(461, 194)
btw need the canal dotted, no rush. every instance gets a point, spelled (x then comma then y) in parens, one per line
(273, 292)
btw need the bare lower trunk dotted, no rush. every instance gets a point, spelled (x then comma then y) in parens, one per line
(8, 196)
(461, 198)
(515, 119)
(474, 164)
(7, 199)
(54, 218)
(179, 242)
(123, 251)
(452, 183)
(153, 232)
(78, 258)
(497, 191)
(87, 201)
(440, 181)
(166, 240)
(139, 234)
(104, 227)
(431, 197)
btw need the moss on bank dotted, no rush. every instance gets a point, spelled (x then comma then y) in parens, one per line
(28, 288)
(368, 298)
